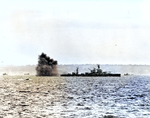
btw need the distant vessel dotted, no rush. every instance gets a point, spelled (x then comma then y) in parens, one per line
(94, 72)
(126, 74)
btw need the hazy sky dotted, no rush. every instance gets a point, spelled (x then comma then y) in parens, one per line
(75, 31)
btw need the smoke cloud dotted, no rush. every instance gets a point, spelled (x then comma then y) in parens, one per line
(46, 66)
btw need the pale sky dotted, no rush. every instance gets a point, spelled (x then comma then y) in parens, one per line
(75, 31)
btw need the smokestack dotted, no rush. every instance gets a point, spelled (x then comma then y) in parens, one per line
(46, 66)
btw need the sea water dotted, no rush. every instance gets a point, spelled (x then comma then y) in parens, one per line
(95, 97)
(75, 97)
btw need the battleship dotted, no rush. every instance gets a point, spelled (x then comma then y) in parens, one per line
(93, 72)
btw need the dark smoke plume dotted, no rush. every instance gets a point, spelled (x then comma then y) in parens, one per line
(46, 66)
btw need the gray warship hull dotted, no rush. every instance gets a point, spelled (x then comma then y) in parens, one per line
(92, 75)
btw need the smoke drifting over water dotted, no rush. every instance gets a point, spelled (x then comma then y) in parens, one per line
(46, 66)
